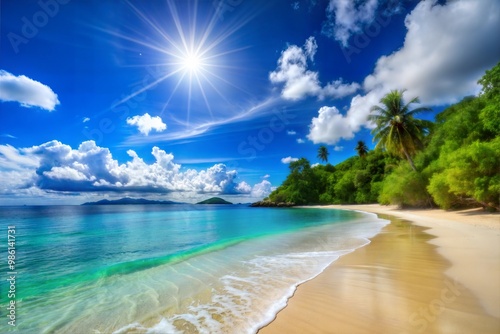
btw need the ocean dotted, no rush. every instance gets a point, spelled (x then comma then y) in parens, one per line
(164, 268)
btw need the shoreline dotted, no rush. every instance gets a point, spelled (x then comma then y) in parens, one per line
(458, 233)
(420, 258)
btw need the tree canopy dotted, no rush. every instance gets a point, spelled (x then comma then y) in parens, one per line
(397, 130)
(454, 162)
(361, 149)
(323, 153)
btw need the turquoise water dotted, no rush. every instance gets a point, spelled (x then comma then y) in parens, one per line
(166, 269)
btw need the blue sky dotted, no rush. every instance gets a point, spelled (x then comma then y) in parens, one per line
(185, 100)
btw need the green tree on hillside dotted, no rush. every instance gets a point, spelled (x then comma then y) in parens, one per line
(490, 115)
(300, 187)
(323, 153)
(361, 148)
(397, 130)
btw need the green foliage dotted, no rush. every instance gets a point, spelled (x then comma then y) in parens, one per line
(490, 114)
(404, 187)
(470, 174)
(300, 187)
(397, 130)
(361, 148)
(463, 163)
(355, 180)
(323, 153)
(456, 164)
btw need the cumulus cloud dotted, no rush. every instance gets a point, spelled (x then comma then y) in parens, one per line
(329, 127)
(300, 141)
(54, 166)
(262, 189)
(26, 91)
(442, 57)
(291, 133)
(337, 89)
(440, 62)
(146, 123)
(348, 17)
(287, 160)
(300, 82)
(17, 169)
(85, 119)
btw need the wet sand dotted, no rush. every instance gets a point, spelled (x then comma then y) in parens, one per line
(409, 279)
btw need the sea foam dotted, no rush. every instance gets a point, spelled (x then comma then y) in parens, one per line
(249, 296)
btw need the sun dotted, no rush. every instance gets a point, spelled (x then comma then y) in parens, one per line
(192, 54)
(192, 63)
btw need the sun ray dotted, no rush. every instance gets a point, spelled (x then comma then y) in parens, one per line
(137, 92)
(155, 27)
(204, 96)
(175, 17)
(194, 53)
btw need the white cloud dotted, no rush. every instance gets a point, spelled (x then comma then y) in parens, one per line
(291, 133)
(330, 126)
(266, 176)
(26, 91)
(287, 160)
(442, 57)
(12, 158)
(54, 166)
(315, 165)
(300, 82)
(338, 148)
(85, 119)
(17, 170)
(348, 17)
(300, 141)
(292, 71)
(262, 189)
(337, 89)
(440, 62)
(67, 173)
(310, 47)
(146, 123)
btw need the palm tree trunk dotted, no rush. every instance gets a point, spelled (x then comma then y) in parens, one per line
(409, 159)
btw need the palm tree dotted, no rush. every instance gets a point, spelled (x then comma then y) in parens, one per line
(397, 130)
(323, 153)
(361, 148)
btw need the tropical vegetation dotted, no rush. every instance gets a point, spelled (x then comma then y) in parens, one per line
(361, 148)
(453, 162)
(397, 130)
(323, 153)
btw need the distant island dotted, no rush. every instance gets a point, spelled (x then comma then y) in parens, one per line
(214, 200)
(129, 201)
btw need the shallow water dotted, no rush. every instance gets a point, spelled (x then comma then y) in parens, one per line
(168, 269)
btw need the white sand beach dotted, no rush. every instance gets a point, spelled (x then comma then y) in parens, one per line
(429, 271)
